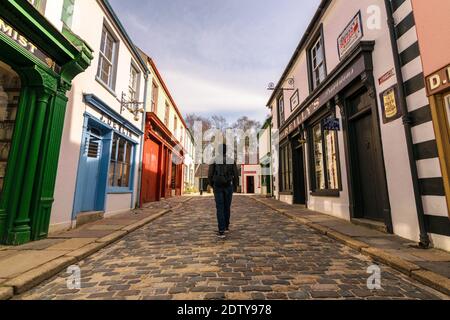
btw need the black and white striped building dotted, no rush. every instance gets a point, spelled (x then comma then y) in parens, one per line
(425, 147)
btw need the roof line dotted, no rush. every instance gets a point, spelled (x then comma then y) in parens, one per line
(119, 24)
(166, 89)
(319, 12)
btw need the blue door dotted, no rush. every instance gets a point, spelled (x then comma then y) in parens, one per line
(91, 170)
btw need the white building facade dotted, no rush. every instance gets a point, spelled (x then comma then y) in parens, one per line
(101, 150)
(342, 116)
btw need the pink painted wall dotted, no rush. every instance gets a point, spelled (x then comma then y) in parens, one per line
(433, 29)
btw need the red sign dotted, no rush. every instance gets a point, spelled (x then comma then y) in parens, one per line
(350, 36)
(386, 76)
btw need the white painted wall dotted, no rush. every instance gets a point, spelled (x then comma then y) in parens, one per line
(399, 179)
(86, 83)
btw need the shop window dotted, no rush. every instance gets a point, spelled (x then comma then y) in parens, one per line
(133, 86)
(107, 59)
(281, 114)
(10, 86)
(39, 5)
(67, 12)
(324, 159)
(154, 97)
(286, 178)
(120, 164)
(317, 62)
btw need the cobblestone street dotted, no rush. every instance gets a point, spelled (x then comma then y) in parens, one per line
(266, 256)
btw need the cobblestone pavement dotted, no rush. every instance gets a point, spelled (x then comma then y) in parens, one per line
(266, 256)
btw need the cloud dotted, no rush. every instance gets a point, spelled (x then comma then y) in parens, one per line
(203, 96)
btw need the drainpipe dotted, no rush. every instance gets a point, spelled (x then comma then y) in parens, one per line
(407, 121)
(141, 149)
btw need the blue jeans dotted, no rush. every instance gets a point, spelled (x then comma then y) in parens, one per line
(224, 198)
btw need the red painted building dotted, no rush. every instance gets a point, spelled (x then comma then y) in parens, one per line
(164, 148)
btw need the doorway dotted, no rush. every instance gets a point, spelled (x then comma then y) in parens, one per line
(91, 161)
(365, 158)
(299, 176)
(250, 185)
(151, 171)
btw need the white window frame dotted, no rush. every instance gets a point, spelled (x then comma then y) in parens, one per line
(134, 83)
(317, 77)
(103, 59)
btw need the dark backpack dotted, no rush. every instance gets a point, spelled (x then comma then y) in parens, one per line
(222, 175)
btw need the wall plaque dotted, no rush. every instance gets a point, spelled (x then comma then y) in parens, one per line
(389, 103)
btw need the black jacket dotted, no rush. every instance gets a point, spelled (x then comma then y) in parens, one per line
(230, 168)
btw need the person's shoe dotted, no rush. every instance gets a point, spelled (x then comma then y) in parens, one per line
(221, 235)
(227, 230)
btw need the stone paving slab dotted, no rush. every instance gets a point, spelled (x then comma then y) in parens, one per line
(72, 244)
(265, 256)
(399, 253)
(24, 261)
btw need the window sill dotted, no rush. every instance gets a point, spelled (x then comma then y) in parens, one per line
(326, 193)
(104, 85)
(286, 193)
(119, 191)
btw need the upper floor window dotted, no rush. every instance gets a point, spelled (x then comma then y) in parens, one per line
(67, 12)
(39, 5)
(175, 125)
(133, 86)
(107, 59)
(154, 97)
(317, 63)
(166, 115)
(280, 104)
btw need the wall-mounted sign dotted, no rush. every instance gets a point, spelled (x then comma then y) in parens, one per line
(345, 78)
(331, 124)
(295, 100)
(14, 35)
(350, 36)
(385, 77)
(115, 125)
(438, 81)
(389, 105)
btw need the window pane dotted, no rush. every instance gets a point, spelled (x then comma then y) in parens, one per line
(332, 160)
(121, 153)
(10, 87)
(67, 12)
(126, 176)
(112, 168)
(118, 178)
(129, 153)
(318, 157)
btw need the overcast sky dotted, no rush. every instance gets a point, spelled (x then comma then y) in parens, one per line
(218, 56)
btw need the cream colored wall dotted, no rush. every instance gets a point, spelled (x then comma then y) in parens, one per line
(163, 98)
(86, 83)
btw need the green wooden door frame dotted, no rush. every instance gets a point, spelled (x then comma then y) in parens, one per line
(27, 198)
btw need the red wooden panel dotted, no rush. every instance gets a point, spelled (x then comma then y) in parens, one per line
(151, 172)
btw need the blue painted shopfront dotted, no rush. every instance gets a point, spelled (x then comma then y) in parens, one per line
(107, 158)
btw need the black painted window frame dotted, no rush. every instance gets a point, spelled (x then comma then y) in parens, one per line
(318, 35)
(286, 169)
(315, 191)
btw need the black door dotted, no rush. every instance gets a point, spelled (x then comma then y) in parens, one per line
(250, 185)
(364, 160)
(299, 177)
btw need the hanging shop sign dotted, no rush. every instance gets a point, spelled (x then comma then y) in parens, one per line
(350, 36)
(295, 100)
(330, 91)
(389, 104)
(23, 41)
(438, 81)
(331, 124)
